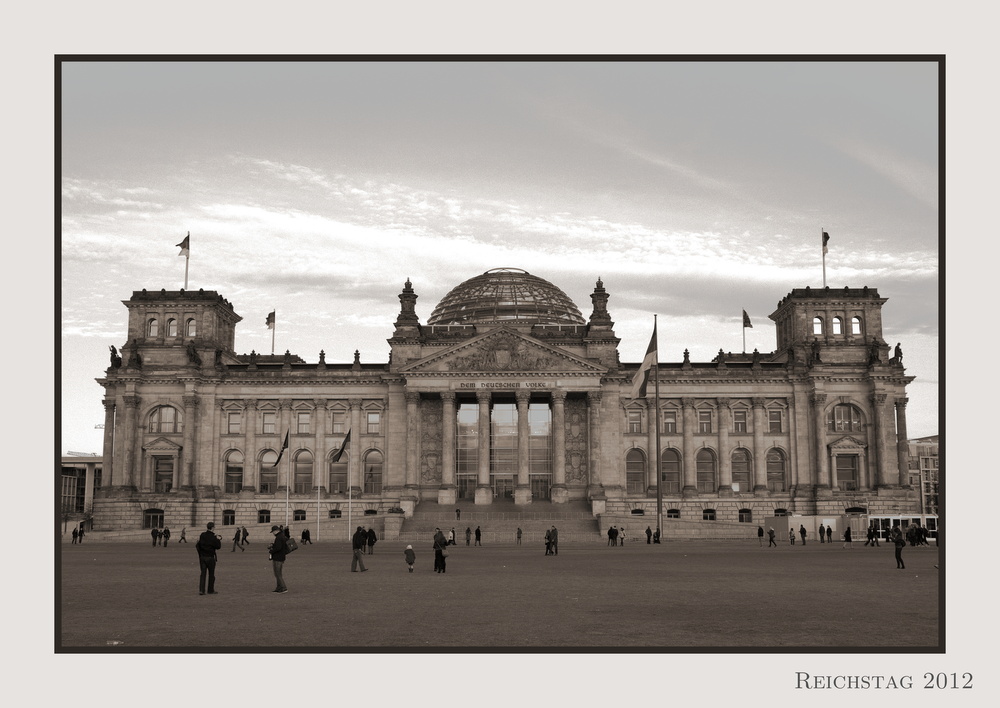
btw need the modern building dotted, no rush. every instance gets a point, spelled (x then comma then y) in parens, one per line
(925, 472)
(506, 395)
(80, 477)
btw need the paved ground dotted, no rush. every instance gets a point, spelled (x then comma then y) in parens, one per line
(674, 596)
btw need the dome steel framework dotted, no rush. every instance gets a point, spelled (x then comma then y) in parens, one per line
(504, 294)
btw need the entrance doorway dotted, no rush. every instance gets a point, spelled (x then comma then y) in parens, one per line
(540, 487)
(503, 488)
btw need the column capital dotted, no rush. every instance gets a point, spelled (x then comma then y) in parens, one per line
(484, 396)
(901, 402)
(879, 399)
(354, 403)
(250, 404)
(818, 400)
(285, 403)
(109, 404)
(559, 397)
(594, 397)
(320, 403)
(412, 397)
(191, 401)
(723, 402)
(448, 396)
(758, 401)
(131, 401)
(522, 397)
(687, 402)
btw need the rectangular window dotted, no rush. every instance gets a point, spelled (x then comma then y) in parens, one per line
(847, 473)
(299, 515)
(704, 421)
(339, 422)
(163, 473)
(774, 421)
(303, 421)
(374, 423)
(669, 421)
(635, 421)
(739, 421)
(233, 422)
(228, 517)
(270, 421)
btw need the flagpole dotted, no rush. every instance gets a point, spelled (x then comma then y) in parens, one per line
(187, 263)
(656, 393)
(822, 232)
(274, 328)
(744, 328)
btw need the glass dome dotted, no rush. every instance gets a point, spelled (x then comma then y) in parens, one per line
(504, 294)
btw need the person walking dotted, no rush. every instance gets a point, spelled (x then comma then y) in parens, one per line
(155, 534)
(440, 550)
(246, 535)
(306, 537)
(548, 542)
(183, 538)
(479, 537)
(554, 538)
(410, 557)
(166, 536)
(760, 536)
(802, 533)
(372, 538)
(821, 532)
(208, 543)
(848, 542)
(468, 535)
(277, 551)
(76, 535)
(236, 541)
(358, 542)
(81, 533)
(899, 541)
(649, 535)
(770, 537)
(518, 535)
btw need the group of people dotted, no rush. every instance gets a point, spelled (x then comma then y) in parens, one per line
(616, 536)
(161, 536)
(897, 536)
(78, 534)
(241, 538)
(552, 542)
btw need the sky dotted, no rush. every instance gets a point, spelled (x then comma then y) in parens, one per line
(692, 189)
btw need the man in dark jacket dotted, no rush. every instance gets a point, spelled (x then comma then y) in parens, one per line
(358, 542)
(278, 550)
(208, 543)
(372, 538)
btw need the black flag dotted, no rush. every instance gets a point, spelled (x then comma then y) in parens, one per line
(343, 446)
(284, 446)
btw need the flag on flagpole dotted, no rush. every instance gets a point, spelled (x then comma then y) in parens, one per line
(343, 446)
(185, 246)
(270, 320)
(642, 375)
(746, 320)
(826, 237)
(284, 446)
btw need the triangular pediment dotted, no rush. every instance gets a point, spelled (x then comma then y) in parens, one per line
(502, 351)
(848, 442)
(162, 446)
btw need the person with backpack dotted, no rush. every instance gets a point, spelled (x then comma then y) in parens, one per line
(277, 552)
(358, 542)
(208, 543)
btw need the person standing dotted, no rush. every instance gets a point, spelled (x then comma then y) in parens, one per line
(829, 533)
(278, 550)
(208, 543)
(166, 536)
(479, 537)
(791, 535)
(770, 537)
(554, 538)
(451, 536)
(656, 535)
(236, 541)
(822, 532)
(612, 534)
(649, 535)
(760, 536)
(76, 535)
(410, 557)
(621, 536)
(183, 538)
(518, 534)
(899, 541)
(468, 535)
(155, 534)
(372, 538)
(802, 533)
(548, 542)
(440, 544)
(358, 542)
(848, 541)
(81, 533)
(458, 514)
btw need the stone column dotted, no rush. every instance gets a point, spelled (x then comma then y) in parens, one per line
(821, 475)
(448, 494)
(484, 492)
(354, 459)
(653, 418)
(596, 489)
(285, 464)
(250, 466)
(522, 490)
(411, 476)
(690, 472)
(108, 471)
(881, 453)
(725, 458)
(319, 452)
(759, 448)
(902, 443)
(560, 494)
(133, 471)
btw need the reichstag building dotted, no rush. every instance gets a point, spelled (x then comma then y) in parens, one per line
(506, 395)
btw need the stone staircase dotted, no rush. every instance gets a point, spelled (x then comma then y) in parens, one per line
(499, 522)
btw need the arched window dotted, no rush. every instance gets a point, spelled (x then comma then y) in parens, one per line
(152, 518)
(338, 474)
(635, 472)
(855, 325)
(229, 517)
(742, 470)
(775, 470)
(708, 514)
(781, 512)
(299, 515)
(263, 516)
(303, 472)
(746, 516)
(673, 513)
(670, 469)
(817, 325)
(373, 472)
(165, 419)
(191, 329)
(705, 463)
(171, 328)
(845, 418)
(268, 473)
(234, 472)
(838, 325)
(153, 328)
